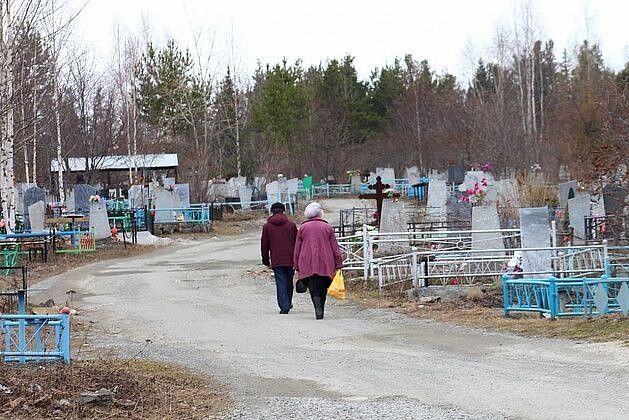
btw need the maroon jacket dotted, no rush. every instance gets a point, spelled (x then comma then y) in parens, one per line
(278, 238)
(316, 250)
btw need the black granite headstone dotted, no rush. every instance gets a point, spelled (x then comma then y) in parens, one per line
(614, 198)
(456, 174)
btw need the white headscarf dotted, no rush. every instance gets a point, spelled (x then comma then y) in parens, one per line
(313, 210)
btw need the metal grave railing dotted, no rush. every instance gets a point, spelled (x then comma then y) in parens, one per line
(35, 338)
(566, 297)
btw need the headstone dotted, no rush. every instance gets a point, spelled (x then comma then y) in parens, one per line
(387, 175)
(393, 219)
(245, 196)
(564, 173)
(19, 200)
(372, 178)
(567, 190)
(183, 191)
(234, 184)
(36, 214)
(535, 233)
(437, 200)
(355, 184)
(614, 197)
(272, 192)
(165, 200)
(32, 195)
(82, 194)
(138, 196)
(486, 218)
(292, 185)
(99, 224)
(217, 190)
(578, 208)
(458, 211)
(456, 174)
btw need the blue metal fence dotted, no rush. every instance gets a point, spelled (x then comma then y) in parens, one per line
(566, 296)
(35, 338)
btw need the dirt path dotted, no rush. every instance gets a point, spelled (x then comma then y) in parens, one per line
(198, 306)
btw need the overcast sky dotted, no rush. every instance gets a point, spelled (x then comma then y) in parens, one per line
(450, 34)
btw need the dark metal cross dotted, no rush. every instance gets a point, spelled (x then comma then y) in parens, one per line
(379, 187)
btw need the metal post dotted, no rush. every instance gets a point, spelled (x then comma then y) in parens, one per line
(506, 298)
(606, 260)
(414, 267)
(365, 253)
(553, 296)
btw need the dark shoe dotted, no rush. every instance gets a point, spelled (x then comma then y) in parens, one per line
(318, 307)
(283, 312)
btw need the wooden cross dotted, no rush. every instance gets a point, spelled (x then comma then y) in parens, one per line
(379, 187)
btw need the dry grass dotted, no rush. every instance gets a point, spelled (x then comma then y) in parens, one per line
(535, 191)
(486, 312)
(141, 389)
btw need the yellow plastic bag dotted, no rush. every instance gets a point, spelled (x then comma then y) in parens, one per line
(337, 288)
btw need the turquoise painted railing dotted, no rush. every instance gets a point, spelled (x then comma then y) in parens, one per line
(566, 296)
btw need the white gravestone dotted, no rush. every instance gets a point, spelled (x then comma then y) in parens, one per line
(387, 175)
(138, 196)
(99, 224)
(486, 218)
(165, 200)
(272, 192)
(36, 214)
(535, 233)
(183, 191)
(578, 208)
(413, 176)
(473, 177)
(355, 184)
(245, 197)
(437, 200)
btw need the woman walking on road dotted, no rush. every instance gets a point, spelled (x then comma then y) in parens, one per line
(317, 256)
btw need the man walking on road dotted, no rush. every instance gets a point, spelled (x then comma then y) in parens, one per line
(278, 240)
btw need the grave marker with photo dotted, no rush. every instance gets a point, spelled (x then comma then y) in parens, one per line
(32, 195)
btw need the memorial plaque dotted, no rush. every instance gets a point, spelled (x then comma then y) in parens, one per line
(535, 233)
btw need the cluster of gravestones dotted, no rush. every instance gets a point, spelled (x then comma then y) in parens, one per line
(444, 205)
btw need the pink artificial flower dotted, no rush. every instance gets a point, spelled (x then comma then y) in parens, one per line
(484, 182)
(2, 223)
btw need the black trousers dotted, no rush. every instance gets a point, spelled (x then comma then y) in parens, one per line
(318, 286)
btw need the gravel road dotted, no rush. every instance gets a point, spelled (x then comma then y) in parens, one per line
(199, 304)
